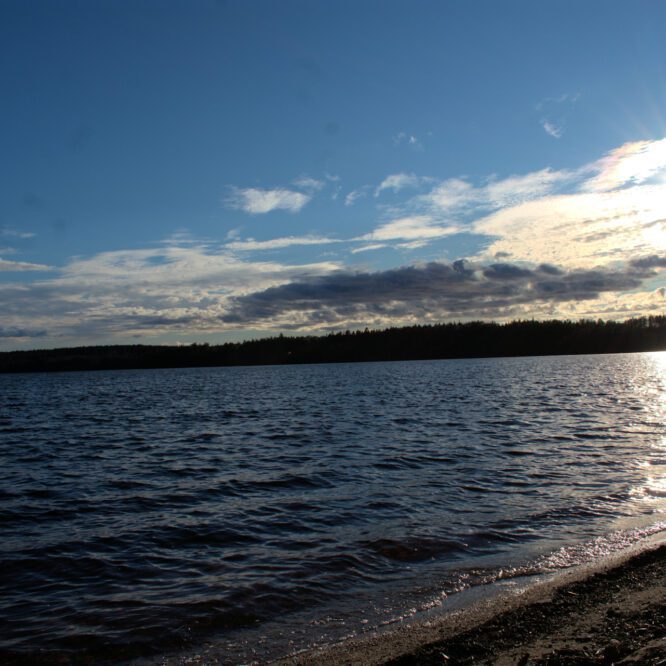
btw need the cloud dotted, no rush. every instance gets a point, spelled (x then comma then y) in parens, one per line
(646, 263)
(520, 210)
(309, 184)
(580, 229)
(279, 243)
(609, 210)
(516, 189)
(257, 201)
(368, 248)
(407, 139)
(356, 194)
(580, 242)
(196, 289)
(153, 290)
(552, 129)
(18, 333)
(564, 98)
(412, 245)
(397, 182)
(203, 265)
(6, 265)
(631, 164)
(457, 195)
(555, 113)
(13, 233)
(182, 237)
(433, 290)
(409, 228)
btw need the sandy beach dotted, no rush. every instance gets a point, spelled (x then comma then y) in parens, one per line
(612, 614)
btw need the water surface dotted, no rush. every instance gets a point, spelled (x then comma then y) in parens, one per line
(259, 510)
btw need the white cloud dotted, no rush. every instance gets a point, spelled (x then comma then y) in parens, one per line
(413, 245)
(449, 195)
(176, 265)
(153, 290)
(257, 201)
(279, 243)
(13, 233)
(181, 237)
(580, 229)
(410, 228)
(407, 139)
(552, 129)
(516, 189)
(397, 182)
(610, 210)
(630, 164)
(309, 184)
(602, 215)
(356, 194)
(368, 248)
(458, 195)
(555, 112)
(6, 265)
(613, 210)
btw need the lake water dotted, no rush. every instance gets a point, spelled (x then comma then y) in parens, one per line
(253, 511)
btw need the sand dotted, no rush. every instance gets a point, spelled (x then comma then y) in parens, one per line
(612, 614)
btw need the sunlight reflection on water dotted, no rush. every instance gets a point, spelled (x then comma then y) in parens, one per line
(653, 491)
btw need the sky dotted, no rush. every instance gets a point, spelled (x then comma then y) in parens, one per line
(209, 171)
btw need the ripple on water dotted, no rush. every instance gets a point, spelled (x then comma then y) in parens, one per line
(147, 511)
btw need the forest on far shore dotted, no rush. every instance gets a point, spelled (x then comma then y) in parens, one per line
(454, 340)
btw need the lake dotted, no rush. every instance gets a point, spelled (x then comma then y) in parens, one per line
(259, 510)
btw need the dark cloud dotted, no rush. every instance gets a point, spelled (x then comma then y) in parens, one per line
(549, 269)
(457, 289)
(11, 332)
(505, 272)
(653, 261)
(437, 291)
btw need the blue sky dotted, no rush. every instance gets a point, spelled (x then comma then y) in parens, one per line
(190, 171)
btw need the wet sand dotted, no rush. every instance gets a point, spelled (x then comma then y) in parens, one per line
(612, 614)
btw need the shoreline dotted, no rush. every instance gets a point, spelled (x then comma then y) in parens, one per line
(610, 611)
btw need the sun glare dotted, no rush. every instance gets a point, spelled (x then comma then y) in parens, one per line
(633, 163)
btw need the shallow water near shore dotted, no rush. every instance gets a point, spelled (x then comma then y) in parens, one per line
(264, 510)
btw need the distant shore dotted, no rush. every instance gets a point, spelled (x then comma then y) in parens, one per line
(613, 614)
(475, 339)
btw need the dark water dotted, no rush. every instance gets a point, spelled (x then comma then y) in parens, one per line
(255, 510)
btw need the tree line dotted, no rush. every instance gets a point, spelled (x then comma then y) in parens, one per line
(453, 340)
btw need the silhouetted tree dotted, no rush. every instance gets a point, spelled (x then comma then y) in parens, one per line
(455, 340)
